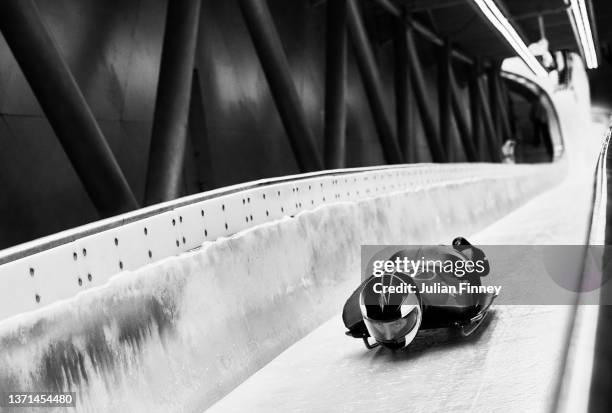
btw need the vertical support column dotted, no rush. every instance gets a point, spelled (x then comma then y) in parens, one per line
(462, 124)
(503, 107)
(276, 69)
(422, 98)
(444, 96)
(509, 108)
(199, 137)
(494, 101)
(492, 137)
(335, 85)
(475, 110)
(168, 140)
(65, 107)
(403, 110)
(542, 27)
(371, 82)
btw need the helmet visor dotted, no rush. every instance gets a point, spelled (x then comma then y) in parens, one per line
(394, 330)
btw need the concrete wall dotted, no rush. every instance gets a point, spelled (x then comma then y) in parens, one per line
(113, 49)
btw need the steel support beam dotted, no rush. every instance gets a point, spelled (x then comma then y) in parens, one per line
(444, 96)
(169, 137)
(422, 98)
(494, 100)
(395, 11)
(65, 107)
(403, 109)
(545, 12)
(502, 103)
(335, 85)
(276, 69)
(371, 81)
(476, 118)
(492, 137)
(199, 137)
(506, 108)
(462, 123)
(428, 5)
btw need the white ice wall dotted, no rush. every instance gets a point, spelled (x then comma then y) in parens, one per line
(180, 333)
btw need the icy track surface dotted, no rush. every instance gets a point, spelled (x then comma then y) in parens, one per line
(179, 334)
(510, 366)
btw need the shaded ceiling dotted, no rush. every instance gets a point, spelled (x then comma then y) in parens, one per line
(459, 21)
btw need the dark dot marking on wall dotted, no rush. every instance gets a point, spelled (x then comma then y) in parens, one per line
(31, 272)
(146, 231)
(89, 277)
(150, 254)
(37, 298)
(116, 241)
(120, 265)
(84, 252)
(74, 256)
(80, 281)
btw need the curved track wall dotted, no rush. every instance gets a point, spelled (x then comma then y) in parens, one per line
(180, 332)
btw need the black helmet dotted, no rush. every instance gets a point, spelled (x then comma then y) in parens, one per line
(391, 309)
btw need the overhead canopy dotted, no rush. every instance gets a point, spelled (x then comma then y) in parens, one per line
(461, 23)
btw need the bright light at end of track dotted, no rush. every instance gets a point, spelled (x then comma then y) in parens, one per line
(502, 25)
(583, 32)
